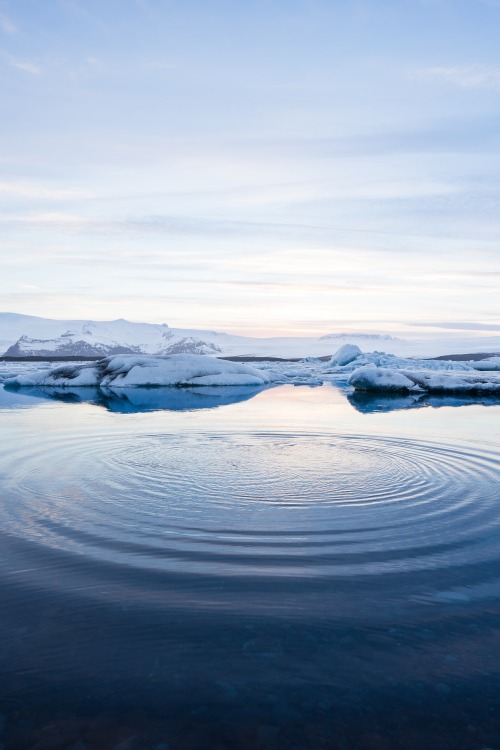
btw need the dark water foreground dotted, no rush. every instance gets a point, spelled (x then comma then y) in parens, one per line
(281, 570)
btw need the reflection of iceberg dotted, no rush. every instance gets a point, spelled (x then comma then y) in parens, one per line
(129, 400)
(375, 402)
(368, 403)
(13, 399)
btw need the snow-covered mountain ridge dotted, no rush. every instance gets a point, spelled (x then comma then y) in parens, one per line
(22, 335)
(25, 335)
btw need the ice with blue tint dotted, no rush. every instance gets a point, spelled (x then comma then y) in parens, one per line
(126, 370)
(372, 378)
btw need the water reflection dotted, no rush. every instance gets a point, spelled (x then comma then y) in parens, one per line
(286, 574)
(368, 403)
(134, 400)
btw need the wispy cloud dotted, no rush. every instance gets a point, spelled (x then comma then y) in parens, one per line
(161, 224)
(6, 25)
(33, 190)
(474, 76)
(25, 65)
(457, 326)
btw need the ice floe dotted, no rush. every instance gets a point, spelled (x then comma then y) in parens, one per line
(345, 355)
(382, 372)
(490, 363)
(346, 359)
(372, 378)
(349, 366)
(130, 370)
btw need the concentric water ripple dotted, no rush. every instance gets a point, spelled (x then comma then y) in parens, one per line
(258, 504)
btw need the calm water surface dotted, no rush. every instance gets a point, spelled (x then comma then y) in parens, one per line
(225, 568)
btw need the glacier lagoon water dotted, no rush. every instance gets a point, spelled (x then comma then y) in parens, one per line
(292, 568)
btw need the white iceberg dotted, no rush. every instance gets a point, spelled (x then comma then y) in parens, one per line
(344, 362)
(345, 355)
(489, 364)
(372, 378)
(124, 371)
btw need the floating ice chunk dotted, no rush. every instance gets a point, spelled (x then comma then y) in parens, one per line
(350, 357)
(346, 354)
(130, 370)
(74, 375)
(372, 378)
(492, 363)
(458, 383)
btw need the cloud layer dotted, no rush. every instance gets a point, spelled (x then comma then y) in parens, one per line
(266, 167)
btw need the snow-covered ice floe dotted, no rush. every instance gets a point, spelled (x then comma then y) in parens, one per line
(373, 378)
(9, 370)
(349, 358)
(382, 372)
(490, 363)
(130, 370)
(345, 355)
(373, 371)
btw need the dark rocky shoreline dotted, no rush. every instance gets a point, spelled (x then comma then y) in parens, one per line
(474, 357)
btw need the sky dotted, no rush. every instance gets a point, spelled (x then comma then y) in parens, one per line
(267, 167)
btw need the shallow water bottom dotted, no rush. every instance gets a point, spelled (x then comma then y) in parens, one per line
(284, 572)
(283, 707)
(203, 682)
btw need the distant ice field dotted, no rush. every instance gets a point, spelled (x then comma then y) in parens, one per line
(365, 371)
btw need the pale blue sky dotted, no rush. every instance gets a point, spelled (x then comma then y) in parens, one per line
(261, 167)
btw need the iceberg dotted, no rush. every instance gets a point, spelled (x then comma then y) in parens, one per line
(372, 378)
(345, 355)
(346, 359)
(489, 364)
(124, 371)
(388, 373)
